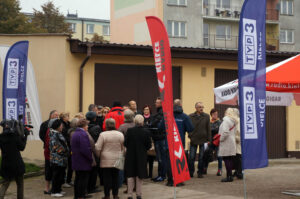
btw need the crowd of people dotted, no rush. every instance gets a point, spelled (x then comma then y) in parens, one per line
(120, 144)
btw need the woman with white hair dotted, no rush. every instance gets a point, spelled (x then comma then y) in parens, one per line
(227, 148)
(137, 142)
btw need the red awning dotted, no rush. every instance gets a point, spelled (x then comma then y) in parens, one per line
(284, 76)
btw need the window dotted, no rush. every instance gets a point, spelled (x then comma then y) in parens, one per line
(223, 3)
(177, 2)
(90, 28)
(176, 28)
(286, 7)
(206, 34)
(223, 32)
(287, 36)
(73, 27)
(105, 30)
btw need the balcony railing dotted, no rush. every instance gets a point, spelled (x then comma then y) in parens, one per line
(232, 42)
(234, 12)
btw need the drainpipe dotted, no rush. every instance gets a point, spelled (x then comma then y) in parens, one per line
(82, 30)
(88, 55)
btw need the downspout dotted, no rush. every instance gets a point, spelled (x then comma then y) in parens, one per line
(82, 30)
(88, 55)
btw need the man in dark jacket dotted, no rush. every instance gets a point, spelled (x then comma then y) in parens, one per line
(159, 137)
(12, 165)
(200, 135)
(94, 130)
(44, 136)
(133, 107)
(184, 124)
(44, 126)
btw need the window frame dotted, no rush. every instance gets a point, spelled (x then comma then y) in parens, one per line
(179, 29)
(222, 5)
(87, 28)
(286, 36)
(286, 12)
(71, 27)
(108, 26)
(177, 3)
(227, 37)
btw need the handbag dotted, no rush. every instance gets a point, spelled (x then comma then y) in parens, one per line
(119, 164)
(216, 140)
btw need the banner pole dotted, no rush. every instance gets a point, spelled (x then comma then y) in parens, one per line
(174, 192)
(245, 188)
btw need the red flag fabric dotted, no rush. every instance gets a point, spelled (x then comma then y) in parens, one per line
(162, 57)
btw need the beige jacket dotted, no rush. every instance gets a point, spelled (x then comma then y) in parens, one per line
(109, 146)
(227, 131)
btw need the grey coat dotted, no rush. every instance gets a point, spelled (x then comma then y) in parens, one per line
(201, 132)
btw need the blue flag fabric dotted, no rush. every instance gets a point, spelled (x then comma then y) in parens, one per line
(252, 83)
(14, 81)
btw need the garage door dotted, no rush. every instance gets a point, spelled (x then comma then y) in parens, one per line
(275, 118)
(127, 82)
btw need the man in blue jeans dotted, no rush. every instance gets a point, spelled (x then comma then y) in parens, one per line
(200, 135)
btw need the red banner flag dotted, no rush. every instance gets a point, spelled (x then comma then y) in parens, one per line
(162, 57)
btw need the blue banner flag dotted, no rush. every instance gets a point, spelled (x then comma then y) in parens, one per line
(14, 81)
(252, 83)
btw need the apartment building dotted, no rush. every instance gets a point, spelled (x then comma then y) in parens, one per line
(289, 25)
(85, 28)
(203, 23)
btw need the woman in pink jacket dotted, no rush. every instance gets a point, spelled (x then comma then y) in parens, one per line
(109, 147)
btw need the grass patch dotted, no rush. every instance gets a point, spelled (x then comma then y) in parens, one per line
(29, 167)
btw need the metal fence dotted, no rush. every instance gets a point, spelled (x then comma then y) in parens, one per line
(232, 42)
(234, 12)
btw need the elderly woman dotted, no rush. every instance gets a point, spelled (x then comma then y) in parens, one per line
(137, 143)
(227, 148)
(128, 121)
(82, 158)
(59, 153)
(109, 147)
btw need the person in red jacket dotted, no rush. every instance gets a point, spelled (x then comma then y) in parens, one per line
(117, 113)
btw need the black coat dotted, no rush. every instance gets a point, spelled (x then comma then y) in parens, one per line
(156, 119)
(137, 142)
(66, 127)
(12, 164)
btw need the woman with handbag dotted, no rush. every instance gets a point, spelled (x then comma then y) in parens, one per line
(227, 147)
(109, 148)
(137, 143)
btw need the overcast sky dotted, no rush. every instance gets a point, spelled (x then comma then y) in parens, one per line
(99, 9)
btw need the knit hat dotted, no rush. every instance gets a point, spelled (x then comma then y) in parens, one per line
(116, 103)
(56, 124)
(91, 115)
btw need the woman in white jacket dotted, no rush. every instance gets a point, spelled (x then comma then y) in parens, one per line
(227, 148)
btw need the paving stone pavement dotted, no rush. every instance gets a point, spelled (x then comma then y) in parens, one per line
(261, 183)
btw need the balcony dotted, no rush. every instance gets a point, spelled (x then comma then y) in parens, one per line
(232, 42)
(233, 13)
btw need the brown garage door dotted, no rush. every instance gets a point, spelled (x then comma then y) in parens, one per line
(275, 118)
(126, 82)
